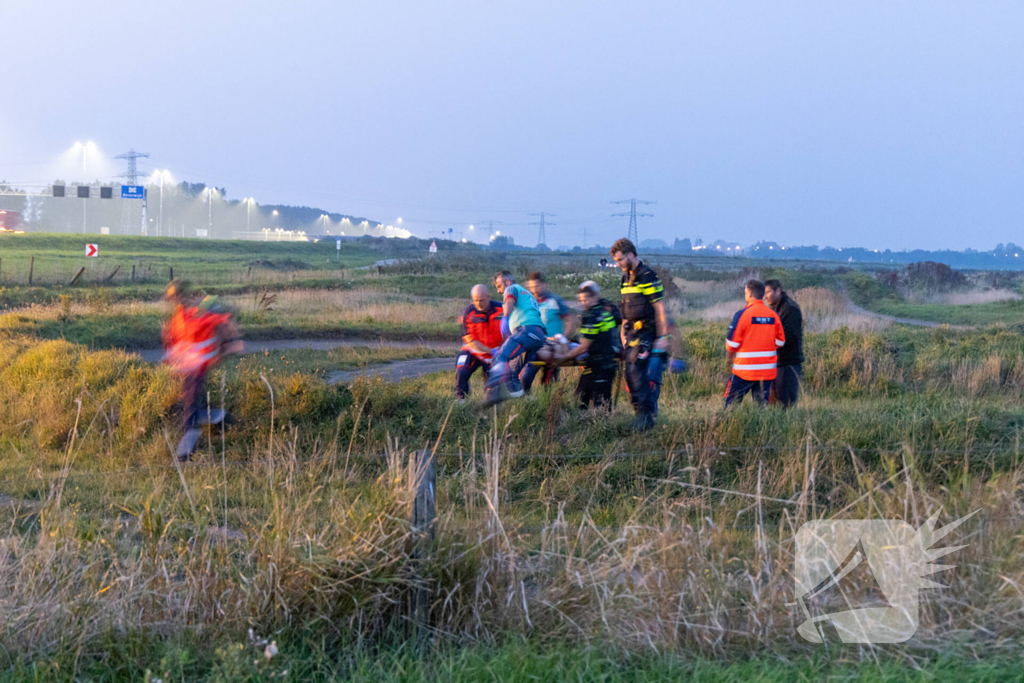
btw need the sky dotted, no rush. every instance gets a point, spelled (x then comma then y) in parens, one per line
(873, 123)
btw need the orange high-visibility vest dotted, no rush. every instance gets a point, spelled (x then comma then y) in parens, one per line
(192, 339)
(755, 335)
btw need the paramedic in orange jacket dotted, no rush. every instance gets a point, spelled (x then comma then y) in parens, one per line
(196, 338)
(752, 345)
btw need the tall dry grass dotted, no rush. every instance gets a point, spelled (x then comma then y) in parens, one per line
(823, 310)
(968, 298)
(318, 305)
(697, 568)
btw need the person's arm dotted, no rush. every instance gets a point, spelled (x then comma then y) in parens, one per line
(476, 345)
(508, 303)
(661, 326)
(567, 316)
(733, 337)
(471, 342)
(578, 351)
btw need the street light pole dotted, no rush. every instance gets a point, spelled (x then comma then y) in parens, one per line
(160, 215)
(209, 226)
(248, 211)
(85, 149)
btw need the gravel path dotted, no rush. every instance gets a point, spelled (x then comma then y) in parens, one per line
(154, 355)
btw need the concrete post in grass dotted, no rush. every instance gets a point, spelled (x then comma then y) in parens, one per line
(424, 511)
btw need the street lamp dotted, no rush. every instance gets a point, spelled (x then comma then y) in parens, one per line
(248, 209)
(162, 175)
(209, 197)
(84, 146)
(324, 219)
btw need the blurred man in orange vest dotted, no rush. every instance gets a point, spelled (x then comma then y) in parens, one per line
(196, 338)
(752, 345)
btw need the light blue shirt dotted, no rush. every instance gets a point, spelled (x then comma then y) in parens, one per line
(552, 308)
(525, 311)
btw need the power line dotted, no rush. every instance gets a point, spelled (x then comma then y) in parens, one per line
(632, 234)
(541, 237)
(132, 176)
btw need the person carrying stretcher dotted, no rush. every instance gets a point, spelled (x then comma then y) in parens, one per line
(597, 349)
(481, 336)
(196, 338)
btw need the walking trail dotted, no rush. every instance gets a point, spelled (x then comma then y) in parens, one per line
(393, 372)
(854, 308)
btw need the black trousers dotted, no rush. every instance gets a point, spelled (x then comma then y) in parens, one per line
(465, 365)
(786, 385)
(596, 385)
(644, 389)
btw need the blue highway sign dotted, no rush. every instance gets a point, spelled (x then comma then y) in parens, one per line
(131, 192)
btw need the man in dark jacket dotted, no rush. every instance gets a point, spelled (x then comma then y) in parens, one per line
(785, 388)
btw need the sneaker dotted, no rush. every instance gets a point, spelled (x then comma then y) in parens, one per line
(516, 394)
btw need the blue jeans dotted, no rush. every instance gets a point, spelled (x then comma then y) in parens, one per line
(655, 369)
(524, 342)
(529, 373)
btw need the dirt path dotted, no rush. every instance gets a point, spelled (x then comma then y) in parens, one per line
(397, 371)
(154, 355)
(854, 308)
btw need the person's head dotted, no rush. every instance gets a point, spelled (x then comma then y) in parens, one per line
(589, 294)
(772, 292)
(624, 254)
(502, 280)
(536, 283)
(481, 297)
(754, 291)
(174, 294)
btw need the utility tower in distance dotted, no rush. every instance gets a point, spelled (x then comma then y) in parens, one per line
(131, 177)
(632, 235)
(541, 236)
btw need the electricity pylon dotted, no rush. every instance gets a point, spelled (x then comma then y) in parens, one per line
(541, 236)
(632, 234)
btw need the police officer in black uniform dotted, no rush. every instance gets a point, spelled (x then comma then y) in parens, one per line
(644, 331)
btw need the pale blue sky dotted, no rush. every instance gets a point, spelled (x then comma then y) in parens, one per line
(876, 124)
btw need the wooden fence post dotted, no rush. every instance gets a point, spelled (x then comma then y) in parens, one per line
(133, 273)
(77, 275)
(31, 267)
(111, 276)
(424, 511)
(171, 269)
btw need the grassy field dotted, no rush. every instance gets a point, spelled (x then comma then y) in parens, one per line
(566, 546)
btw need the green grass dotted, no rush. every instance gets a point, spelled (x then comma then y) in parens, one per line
(508, 663)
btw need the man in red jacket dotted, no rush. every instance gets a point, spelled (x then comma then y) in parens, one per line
(752, 345)
(481, 335)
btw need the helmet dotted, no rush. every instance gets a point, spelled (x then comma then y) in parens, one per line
(211, 304)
